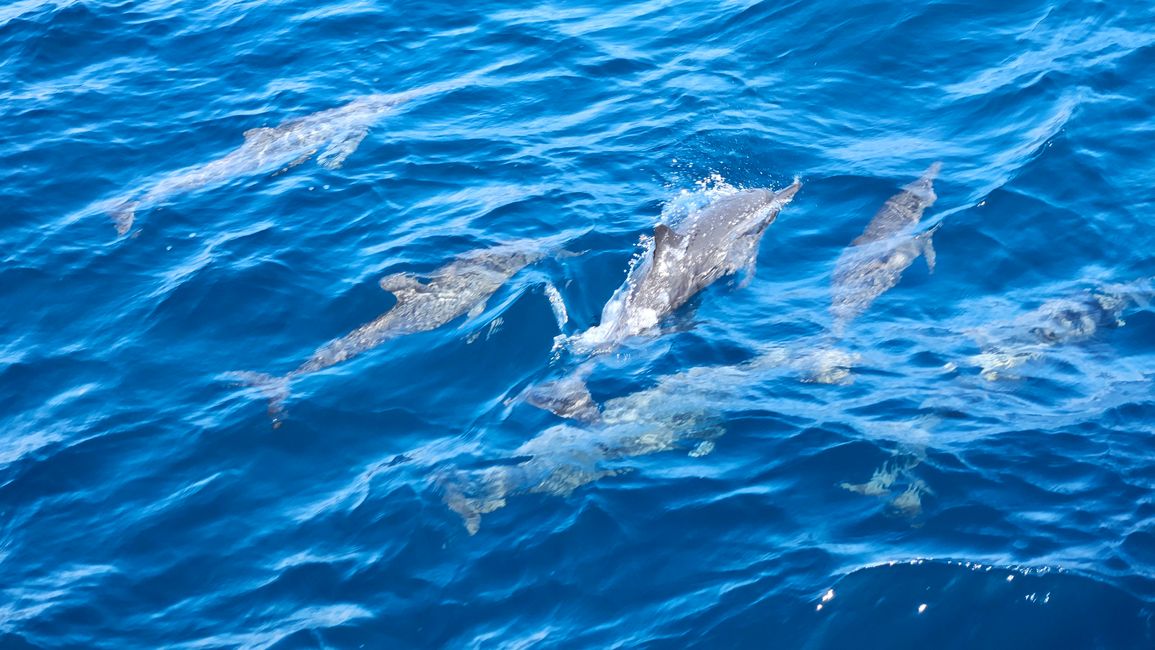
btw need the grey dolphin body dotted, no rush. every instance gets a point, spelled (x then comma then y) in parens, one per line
(340, 130)
(875, 260)
(460, 287)
(680, 412)
(1056, 322)
(711, 243)
(718, 240)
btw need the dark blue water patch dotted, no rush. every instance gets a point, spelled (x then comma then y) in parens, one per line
(989, 607)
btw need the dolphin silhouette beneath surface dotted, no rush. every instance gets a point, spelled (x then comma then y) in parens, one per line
(875, 260)
(716, 241)
(340, 130)
(1006, 346)
(683, 411)
(461, 287)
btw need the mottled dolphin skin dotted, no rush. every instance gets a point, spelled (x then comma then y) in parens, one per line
(461, 287)
(1008, 345)
(716, 241)
(340, 130)
(875, 260)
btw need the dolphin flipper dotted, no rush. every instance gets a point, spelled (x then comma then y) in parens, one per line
(928, 253)
(335, 155)
(926, 246)
(476, 311)
(747, 272)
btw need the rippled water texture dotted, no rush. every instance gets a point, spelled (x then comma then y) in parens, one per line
(967, 464)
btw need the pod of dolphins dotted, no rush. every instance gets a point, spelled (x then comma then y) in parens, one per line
(677, 263)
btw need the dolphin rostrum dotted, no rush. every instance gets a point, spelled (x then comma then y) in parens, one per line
(461, 287)
(340, 130)
(875, 260)
(719, 240)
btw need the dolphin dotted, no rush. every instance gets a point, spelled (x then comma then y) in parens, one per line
(682, 411)
(896, 472)
(678, 262)
(560, 460)
(1008, 345)
(875, 260)
(266, 149)
(461, 287)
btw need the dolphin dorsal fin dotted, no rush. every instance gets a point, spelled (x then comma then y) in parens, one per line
(259, 134)
(664, 237)
(401, 284)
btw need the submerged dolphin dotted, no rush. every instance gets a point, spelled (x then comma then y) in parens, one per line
(460, 287)
(1064, 320)
(875, 260)
(680, 412)
(716, 241)
(266, 149)
(560, 460)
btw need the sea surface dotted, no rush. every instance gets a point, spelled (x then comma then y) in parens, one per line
(924, 496)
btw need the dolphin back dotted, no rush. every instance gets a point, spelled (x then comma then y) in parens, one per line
(903, 210)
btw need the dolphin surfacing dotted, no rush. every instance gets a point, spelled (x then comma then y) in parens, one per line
(719, 240)
(336, 133)
(875, 260)
(461, 287)
(678, 262)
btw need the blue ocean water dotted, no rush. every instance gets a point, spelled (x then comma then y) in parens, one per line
(922, 500)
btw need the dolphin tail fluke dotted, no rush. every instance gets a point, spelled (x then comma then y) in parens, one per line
(123, 216)
(472, 494)
(275, 389)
